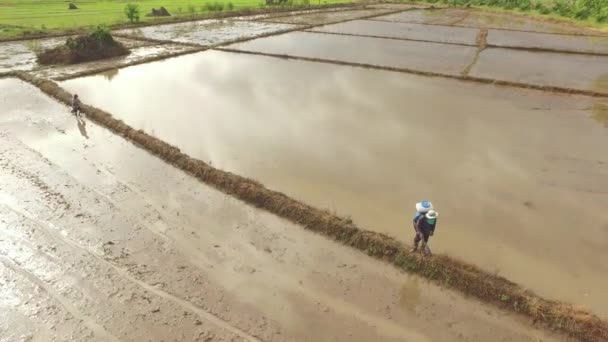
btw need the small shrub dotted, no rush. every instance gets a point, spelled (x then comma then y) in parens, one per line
(230, 6)
(191, 8)
(216, 6)
(544, 10)
(102, 34)
(602, 17)
(582, 13)
(306, 3)
(179, 10)
(562, 8)
(524, 5)
(132, 12)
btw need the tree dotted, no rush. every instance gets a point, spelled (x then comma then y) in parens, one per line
(132, 12)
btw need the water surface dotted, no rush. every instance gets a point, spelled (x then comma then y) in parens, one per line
(520, 178)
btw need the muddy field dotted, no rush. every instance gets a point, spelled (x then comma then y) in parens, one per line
(103, 241)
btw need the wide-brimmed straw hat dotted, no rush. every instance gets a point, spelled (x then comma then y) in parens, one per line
(432, 214)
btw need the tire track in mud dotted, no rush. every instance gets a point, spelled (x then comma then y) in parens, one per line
(87, 321)
(441, 269)
(184, 245)
(336, 305)
(55, 200)
(53, 232)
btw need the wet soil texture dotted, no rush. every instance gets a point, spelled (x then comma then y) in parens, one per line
(543, 68)
(425, 56)
(101, 241)
(206, 32)
(440, 34)
(327, 17)
(136, 56)
(474, 18)
(21, 55)
(571, 43)
(514, 170)
(426, 16)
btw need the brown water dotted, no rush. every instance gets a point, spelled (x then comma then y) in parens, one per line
(440, 34)
(520, 177)
(101, 241)
(433, 57)
(542, 68)
(548, 41)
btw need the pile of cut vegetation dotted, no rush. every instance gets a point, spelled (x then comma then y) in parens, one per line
(98, 45)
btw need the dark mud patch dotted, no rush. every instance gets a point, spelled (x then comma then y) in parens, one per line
(441, 269)
(95, 46)
(161, 12)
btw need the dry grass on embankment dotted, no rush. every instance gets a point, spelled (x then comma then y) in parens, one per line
(440, 269)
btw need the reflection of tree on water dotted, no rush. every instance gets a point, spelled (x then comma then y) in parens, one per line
(599, 111)
(110, 74)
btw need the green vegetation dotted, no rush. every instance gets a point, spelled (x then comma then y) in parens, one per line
(132, 12)
(596, 10)
(45, 16)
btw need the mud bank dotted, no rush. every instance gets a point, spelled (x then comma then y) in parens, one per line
(441, 269)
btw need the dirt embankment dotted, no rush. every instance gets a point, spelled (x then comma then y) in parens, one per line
(95, 46)
(441, 269)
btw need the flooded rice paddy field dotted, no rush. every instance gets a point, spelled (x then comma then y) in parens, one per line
(327, 17)
(206, 32)
(137, 55)
(95, 225)
(506, 165)
(21, 56)
(440, 34)
(424, 56)
(103, 242)
(476, 18)
(544, 68)
(573, 43)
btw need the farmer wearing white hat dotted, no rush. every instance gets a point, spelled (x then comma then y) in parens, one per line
(425, 227)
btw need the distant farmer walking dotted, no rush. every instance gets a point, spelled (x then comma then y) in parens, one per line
(424, 221)
(76, 105)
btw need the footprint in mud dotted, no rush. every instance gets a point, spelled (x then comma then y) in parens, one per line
(409, 296)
